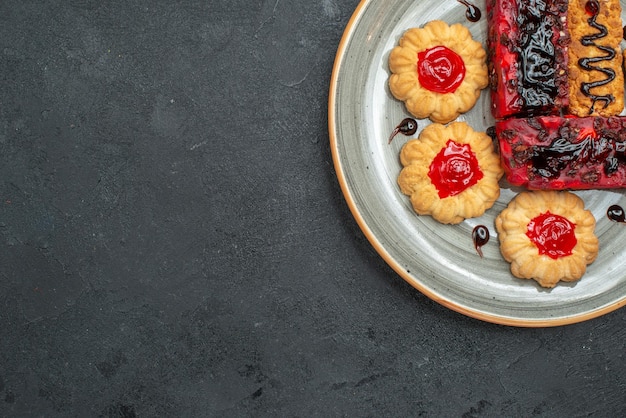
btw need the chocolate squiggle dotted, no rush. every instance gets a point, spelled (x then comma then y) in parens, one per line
(537, 52)
(561, 154)
(593, 7)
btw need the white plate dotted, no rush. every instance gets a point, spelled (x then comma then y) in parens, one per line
(440, 260)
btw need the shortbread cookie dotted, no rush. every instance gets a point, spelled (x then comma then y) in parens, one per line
(596, 79)
(547, 236)
(450, 172)
(438, 71)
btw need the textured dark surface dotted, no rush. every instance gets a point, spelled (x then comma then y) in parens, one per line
(174, 241)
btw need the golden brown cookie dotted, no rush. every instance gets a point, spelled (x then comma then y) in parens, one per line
(547, 236)
(438, 71)
(450, 172)
(596, 78)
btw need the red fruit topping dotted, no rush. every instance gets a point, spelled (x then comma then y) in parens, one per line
(454, 169)
(550, 152)
(553, 235)
(440, 69)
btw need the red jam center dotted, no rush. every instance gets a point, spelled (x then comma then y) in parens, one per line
(552, 234)
(440, 69)
(454, 169)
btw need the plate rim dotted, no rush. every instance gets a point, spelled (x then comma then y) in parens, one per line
(342, 48)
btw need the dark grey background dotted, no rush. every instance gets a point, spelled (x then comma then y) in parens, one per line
(174, 241)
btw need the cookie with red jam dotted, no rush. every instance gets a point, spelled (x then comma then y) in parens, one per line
(450, 172)
(438, 71)
(547, 236)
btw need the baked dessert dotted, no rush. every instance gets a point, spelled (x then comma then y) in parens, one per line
(547, 236)
(527, 57)
(438, 71)
(549, 57)
(552, 152)
(596, 81)
(450, 172)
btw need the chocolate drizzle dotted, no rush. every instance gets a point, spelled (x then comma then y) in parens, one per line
(407, 127)
(480, 236)
(561, 154)
(537, 52)
(473, 13)
(616, 213)
(593, 7)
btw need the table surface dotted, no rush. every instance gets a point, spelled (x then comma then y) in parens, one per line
(175, 241)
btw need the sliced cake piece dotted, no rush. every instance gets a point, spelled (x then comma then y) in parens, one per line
(527, 50)
(596, 78)
(551, 152)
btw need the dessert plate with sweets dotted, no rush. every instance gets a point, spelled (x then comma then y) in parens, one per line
(426, 95)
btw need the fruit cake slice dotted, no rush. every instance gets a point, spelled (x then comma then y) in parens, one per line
(527, 50)
(552, 152)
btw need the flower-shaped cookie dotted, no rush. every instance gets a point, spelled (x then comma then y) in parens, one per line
(547, 236)
(450, 172)
(438, 71)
